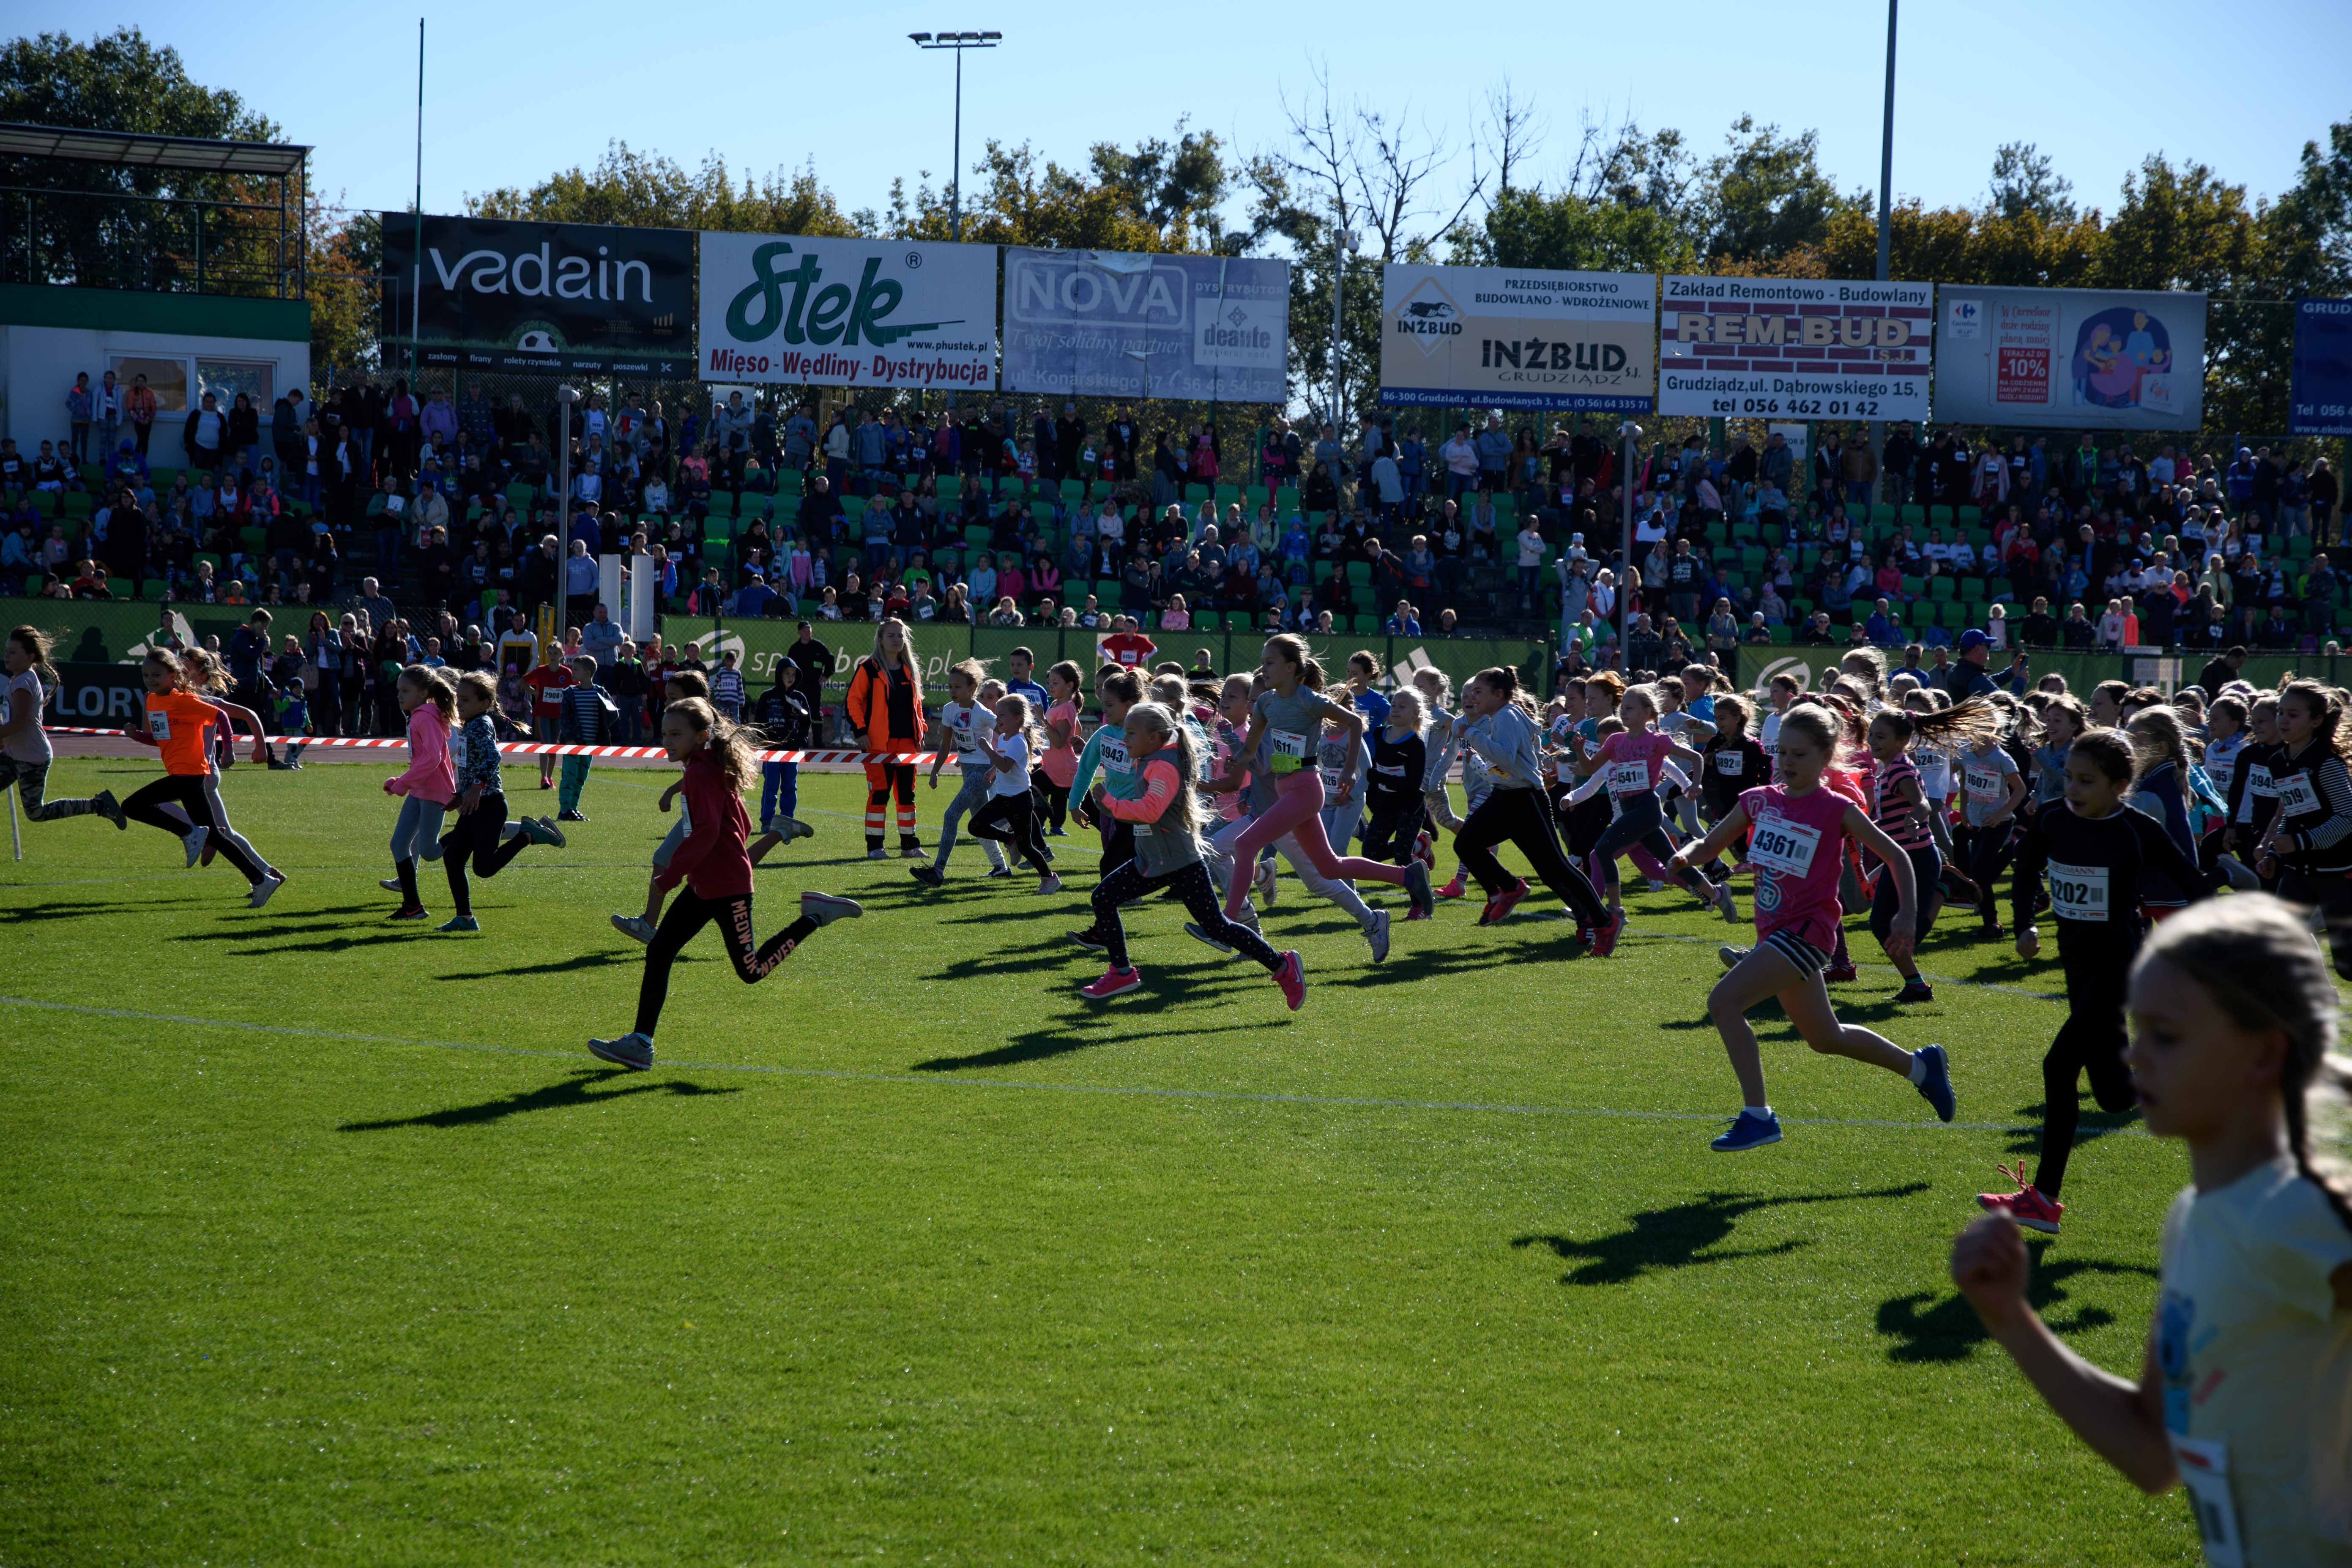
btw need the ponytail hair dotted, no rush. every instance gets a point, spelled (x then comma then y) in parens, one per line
(1502, 677)
(2255, 957)
(723, 742)
(436, 688)
(1293, 649)
(36, 641)
(1973, 724)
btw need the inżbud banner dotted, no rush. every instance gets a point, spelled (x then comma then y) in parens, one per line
(1791, 348)
(2070, 359)
(1518, 337)
(1107, 323)
(788, 309)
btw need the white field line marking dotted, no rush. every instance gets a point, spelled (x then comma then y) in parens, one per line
(1137, 1090)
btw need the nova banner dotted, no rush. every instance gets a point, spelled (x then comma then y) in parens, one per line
(558, 297)
(2072, 359)
(1511, 337)
(790, 310)
(1793, 348)
(2320, 401)
(1106, 323)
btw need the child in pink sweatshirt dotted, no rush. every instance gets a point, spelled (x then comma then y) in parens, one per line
(427, 788)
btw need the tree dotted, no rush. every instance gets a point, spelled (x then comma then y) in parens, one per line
(346, 264)
(1764, 196)
(2025, 182)
(84, 234)
(648, 190)
(1163, 196)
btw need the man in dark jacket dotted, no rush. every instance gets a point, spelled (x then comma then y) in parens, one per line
(2222, 669)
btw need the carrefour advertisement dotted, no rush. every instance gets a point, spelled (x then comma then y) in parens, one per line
(1107, 323)
(785, 309)
(1518, 337)
(2074, 359)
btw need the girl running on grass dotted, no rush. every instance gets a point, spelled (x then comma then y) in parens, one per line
(1800, 829)
(2160, 787)
(177, 723)
(1900, 808)
(1499, 737)
(1105, 755)
(1345, 761)
(25, 753)
(1443, 742)
(2247, 1374)
(1631, 767)
(1010, 815)
(1992, 787)
(715, 864)
(1289, 716)
(2099, 853)
(1734, 762)
(481, 801)
(2308, 844)
(678, 686)
(1399, 760)
(1060, 762)
(1166, 819)
(966, 723)
(2254, 799)
(427, 785)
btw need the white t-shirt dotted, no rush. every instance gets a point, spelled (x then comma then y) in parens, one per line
(1013, 780)
(32, 745)
(2257, 1365)
(966, 722)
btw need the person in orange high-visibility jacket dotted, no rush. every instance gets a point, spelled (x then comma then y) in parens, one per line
(885, 709)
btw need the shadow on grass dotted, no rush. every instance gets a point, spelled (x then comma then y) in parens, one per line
(1080, 1034)
(571, 1092)
(1681, 1234)
(2094, 1124)
(597, 960)
(1948, 1330)
(405, 932)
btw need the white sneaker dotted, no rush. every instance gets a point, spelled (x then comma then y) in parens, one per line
(193, 843)
(389, 884)
(1049, 884)
(632, 1050)
(1723, 901)
(1262, 878)
(263, 889)
(635, 926)
(1376, 933)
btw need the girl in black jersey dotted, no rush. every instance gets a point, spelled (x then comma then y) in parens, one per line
(2098, 852)
(1733, 762)
(2309, 839)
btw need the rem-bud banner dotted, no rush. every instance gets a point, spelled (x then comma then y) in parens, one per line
(2070, 359)
(1106, 324)
(2319, 403)
(1784, 348)
(559, 298)
(788, 309)
(1515, 337)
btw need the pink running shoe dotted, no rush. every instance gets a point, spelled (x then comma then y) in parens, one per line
(1292, 978)
(1503, 902)
(1604, 937)
(2026, 1205)
(1457, 888)
(1114, 982)
(1424, 849)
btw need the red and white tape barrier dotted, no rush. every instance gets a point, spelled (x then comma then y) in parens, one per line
(542, 749)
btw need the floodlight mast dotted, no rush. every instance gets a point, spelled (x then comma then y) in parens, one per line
(959, 42)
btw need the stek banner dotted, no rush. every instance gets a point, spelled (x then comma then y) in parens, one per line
(791, 311)
(1105, 323)
(1787, 348)
(563, 299)
(2320, 401)
(2070, 359)
(1518, 338)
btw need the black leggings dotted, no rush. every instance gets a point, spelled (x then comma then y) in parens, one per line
(1054, 799)
(1118, 841)
(1191, 883)
(2091, 1041)
(1927, 867)
(1393, 828)
(1582, 824)
(1638, 825)
(193, 794)
(1984, 852)
(1524, 817)
(689, 913)
(477, 834)
(2331, 893)
(1013, 819)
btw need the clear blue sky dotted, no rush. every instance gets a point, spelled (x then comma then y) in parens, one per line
(514, 91)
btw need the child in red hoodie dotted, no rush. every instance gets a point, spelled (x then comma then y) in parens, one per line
(716, 867)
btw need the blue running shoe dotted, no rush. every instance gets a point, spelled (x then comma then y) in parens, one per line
(1937, 1089)
(1748, 1133)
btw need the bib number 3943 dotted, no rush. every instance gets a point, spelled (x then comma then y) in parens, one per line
(2204, 1469)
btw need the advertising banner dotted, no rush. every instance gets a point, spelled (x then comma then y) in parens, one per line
(1785, 348)
(2072, 359)
(790, 310)
(2320, 401)
(559, 298)
(1511, 337)
(1106, 323)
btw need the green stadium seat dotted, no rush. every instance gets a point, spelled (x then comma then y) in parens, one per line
(1972, 590)
(1074, 490)
(1914, 587)
(977, 535)
(1359, 573)
(950, 487)
(154, 588)
(1106, 594)
(78, 504)
(1195, 494)
(1969, 514)
(1941, 588)
(1782, 636)
(1363, 625)
(1075, 591)
(1883, 511)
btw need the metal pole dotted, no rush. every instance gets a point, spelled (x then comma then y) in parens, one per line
(955, 173)
(1629, 435)
(1339, 284)
(563, 397)
(1885, 209)
(416, 279)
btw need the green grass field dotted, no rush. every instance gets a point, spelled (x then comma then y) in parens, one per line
(325, 1241)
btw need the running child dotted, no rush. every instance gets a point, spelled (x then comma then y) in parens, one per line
(1105, 754)
(1800, 830)
(1444, 742)
(1735, 763)
(1498, 734)
(1900, 806)
(177, 722)
(2099, 852)
(967, 724)
(427, 785)
(25, 751)
(1345, 761)
(2247, 1371)
(1400, 761)
(2161, 787)
(1166, 819)
(2253, 800)
(1010, 814)
(715, 864)
(1992, 787)
(1059, 765)
(588, 716)
(481, 801)
(678, 686)
(1630, 765)
(2308, 844)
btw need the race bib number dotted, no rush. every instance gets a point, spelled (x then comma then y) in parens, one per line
(160, 725)
(1289, 751)
(1331, 778)
(1115, 759)
(1784, 846)
(2296, 797)
(2204, 1469)
(458, 751)
(1628, 778)
(2258, 781)
(1730, 764)
(1984, 784)
(2079, 892)
(1935, 772)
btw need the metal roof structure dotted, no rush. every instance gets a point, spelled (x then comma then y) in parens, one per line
(132, 148)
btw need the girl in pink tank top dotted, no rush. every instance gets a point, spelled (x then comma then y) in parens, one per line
(1801, 829)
